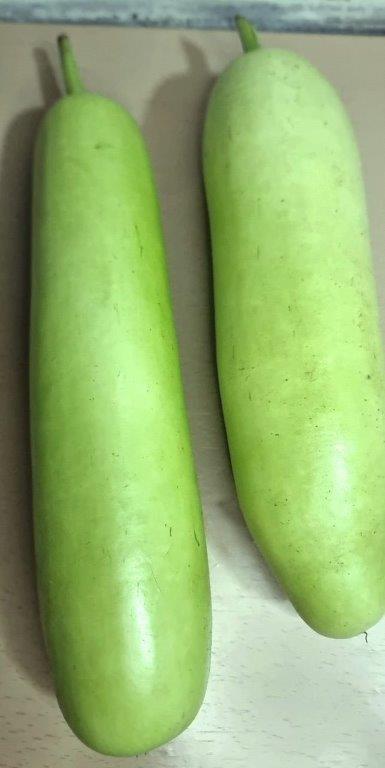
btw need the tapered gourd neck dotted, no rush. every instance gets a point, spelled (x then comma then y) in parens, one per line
(72, 80)
(247, 33)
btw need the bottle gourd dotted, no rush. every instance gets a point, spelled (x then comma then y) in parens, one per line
(120, 547)
(299, 352)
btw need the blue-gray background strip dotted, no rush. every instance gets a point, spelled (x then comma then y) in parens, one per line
(328, 16)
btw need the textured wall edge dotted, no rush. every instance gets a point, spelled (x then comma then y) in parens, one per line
(329, 16)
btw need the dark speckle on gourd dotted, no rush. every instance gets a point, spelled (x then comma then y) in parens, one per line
(100, 145)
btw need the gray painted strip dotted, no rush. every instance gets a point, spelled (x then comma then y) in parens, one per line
(330, 16)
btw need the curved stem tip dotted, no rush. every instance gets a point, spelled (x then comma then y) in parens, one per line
(72, 79)
(247, 33)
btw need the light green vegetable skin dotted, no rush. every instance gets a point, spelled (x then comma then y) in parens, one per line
(121, 556)
(298, 343)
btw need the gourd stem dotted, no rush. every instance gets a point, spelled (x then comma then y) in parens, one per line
(247, 33)
(72, 80)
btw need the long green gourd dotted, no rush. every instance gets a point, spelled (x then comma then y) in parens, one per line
(120, 547)
(298, 343)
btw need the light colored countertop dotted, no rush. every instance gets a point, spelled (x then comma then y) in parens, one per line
(279, 695)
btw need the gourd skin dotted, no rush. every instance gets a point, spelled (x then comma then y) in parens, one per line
(299, 351)
(120, 547)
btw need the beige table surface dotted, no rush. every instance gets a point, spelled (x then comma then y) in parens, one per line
(279, 696)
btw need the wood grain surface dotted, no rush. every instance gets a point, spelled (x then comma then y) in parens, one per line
(279, 695)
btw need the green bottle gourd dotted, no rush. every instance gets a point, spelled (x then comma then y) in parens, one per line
(299, 351)
(120, 547)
